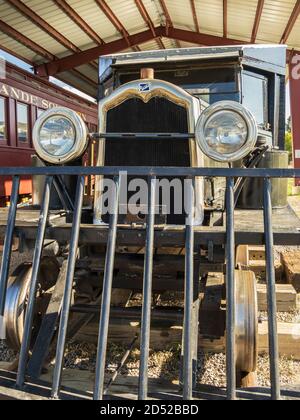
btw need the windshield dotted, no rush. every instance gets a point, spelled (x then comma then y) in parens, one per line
(255, 95)
(219, 83)
(213, 85)
(209, 84)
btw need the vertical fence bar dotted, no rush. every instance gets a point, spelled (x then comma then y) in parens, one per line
(230, 291)
(64, 317)
(8, 242)
(188, 297)
(271, 297)
(34, 282)
(106, 294)
(147, 292)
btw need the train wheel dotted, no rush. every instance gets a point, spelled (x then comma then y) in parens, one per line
(246, 323)
(17, 297)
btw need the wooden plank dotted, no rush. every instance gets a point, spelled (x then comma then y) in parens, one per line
(162, 339)
(286, 296)
(126, 389)
(291, 266)
(288, 337)
(10, 394)
(257, 253)
(259, 268)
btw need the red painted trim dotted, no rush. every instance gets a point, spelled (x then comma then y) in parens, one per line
(67, 63)
(294, 69)
(23, 80)
(16, 153)
(259, 10)
(38, 49)
(12, 127)
(4, 142)
(225, 20)
(195, 16)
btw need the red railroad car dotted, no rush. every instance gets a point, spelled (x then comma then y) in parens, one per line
(23, 96)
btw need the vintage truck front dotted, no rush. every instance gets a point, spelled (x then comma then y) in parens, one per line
(180, 182)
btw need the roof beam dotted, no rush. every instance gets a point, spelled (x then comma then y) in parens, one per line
(225, 19)
(67, 63)
(200, 38)
(75, 60)
(14, 54)
(195, 16)
(63, 79)
(169, 23)
(81, 23)
(147, 19)
(42, 24)
(259, 10)
(114, 20)
(22, 39)
(291, 23)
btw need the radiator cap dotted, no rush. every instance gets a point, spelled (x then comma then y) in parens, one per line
(147, 73)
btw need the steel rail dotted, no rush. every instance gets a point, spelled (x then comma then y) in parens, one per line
(106, 295)
(151, 171)
(230, 292)
(143, 136)
(271, 293)
(7, 247)
(38, 250)
(63, 325)
(188, 298)
(147, 293)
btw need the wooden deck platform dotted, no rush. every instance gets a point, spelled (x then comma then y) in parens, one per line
(78, 385)
(249, 229)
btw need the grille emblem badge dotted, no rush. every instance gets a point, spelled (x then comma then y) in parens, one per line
(144, 87)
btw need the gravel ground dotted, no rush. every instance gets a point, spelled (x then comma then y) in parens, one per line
(290, 317)
(165, 365)
(6, 355)
(212, 367)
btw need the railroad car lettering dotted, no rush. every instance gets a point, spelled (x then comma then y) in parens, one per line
(4, 89)
(15, 93)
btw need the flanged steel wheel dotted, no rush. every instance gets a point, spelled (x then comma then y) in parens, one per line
(17, 296)
(246, 321)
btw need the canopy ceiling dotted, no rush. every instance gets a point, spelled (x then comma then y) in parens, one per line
(64, 38)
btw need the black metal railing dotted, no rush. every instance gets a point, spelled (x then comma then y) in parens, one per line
(152, 174)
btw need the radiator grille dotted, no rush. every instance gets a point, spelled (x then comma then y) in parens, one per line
(159, 115)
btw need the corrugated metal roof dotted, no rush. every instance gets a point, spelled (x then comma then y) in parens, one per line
(241, 18)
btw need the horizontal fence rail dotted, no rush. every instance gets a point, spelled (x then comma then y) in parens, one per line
(151, 171)
(187, 355)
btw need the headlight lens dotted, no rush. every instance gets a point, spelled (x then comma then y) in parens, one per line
(226, 131)
(57, 136)
(60, 136)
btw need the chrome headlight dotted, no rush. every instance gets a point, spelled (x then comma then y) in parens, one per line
(60, 136)
(226, 131)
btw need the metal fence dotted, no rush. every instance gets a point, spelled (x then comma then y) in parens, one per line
(152, 174)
